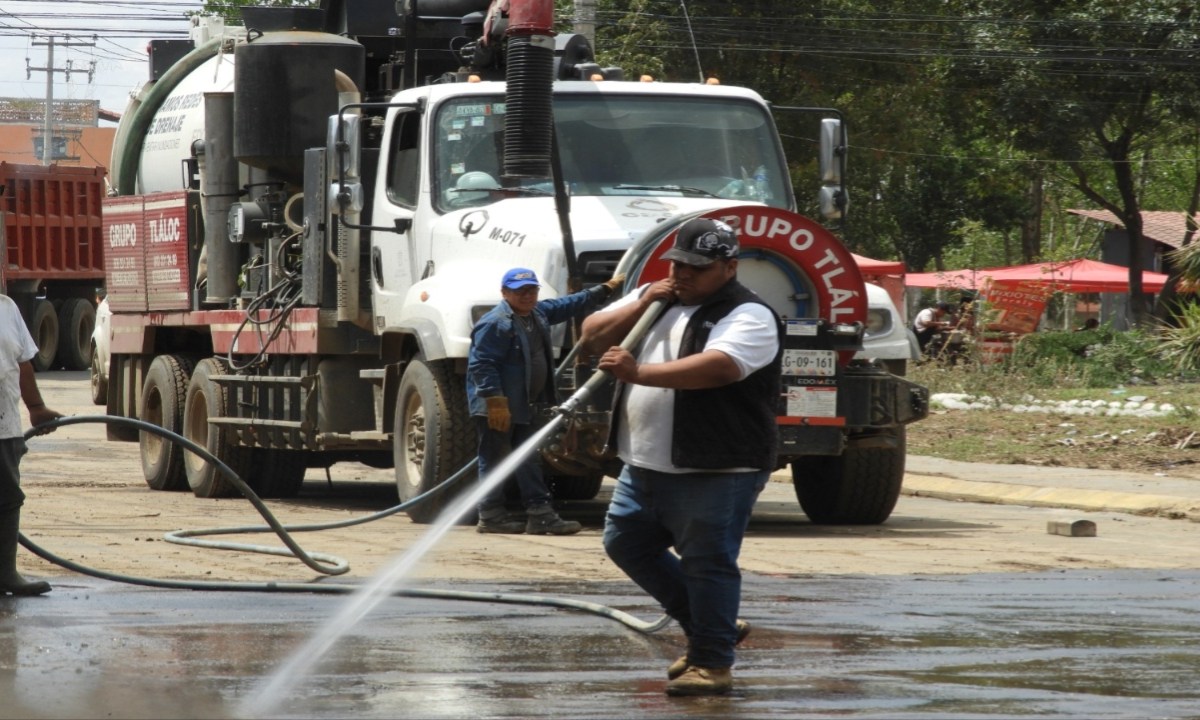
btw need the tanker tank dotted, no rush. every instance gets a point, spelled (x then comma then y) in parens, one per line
(281, 106)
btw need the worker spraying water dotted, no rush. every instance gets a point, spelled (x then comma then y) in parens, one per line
(695, 427)
(385, 583)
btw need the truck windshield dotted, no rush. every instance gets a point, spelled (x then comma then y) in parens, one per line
(617, 145)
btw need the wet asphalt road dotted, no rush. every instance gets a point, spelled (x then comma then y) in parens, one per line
(1078, 644)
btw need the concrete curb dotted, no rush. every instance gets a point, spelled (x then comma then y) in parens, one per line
(1084, 489)
(945, 488)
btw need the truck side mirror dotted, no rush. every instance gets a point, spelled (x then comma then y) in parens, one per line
(832, 151)
(833, 201)
(344, 146)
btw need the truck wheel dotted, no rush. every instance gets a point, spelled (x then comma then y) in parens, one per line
(206, 399)
(43, 326)
(98, 381)
(433, 436)
(162, 404)
(574, 487)
(77, 319)
(858, 487)
(277, 473)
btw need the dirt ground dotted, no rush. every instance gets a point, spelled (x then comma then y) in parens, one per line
(87, 502)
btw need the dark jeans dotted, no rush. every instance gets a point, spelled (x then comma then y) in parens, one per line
(11, 496)
(704, 516)
(924, 336)
(493, 448)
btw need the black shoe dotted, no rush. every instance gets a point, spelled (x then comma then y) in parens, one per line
(544, 521)
(503, 523)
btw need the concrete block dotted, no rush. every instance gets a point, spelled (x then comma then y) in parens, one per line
(1072, 528)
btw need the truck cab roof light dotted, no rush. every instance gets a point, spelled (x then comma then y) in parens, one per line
(647, 78)
(712, 81)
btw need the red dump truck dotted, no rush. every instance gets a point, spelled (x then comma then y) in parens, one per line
(51, 239)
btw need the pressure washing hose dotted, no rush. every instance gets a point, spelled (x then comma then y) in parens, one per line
(332, 565)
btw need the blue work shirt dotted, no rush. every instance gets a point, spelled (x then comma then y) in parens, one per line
(498, 363)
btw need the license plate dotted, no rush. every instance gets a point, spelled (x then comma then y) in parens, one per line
(818, 363)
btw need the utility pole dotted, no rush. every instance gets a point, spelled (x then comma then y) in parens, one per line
(585, 20)
(48, 123)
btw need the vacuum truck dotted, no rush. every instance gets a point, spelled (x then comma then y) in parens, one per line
(312, 212)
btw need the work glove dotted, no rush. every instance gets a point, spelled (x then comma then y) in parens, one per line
(615, 282)
(499, 418)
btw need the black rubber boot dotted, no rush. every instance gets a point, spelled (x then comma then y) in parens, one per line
(544, 521)
(10, 580)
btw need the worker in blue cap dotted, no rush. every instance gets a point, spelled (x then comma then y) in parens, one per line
(510, 368)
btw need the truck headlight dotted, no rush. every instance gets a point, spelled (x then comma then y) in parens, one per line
(879, 322)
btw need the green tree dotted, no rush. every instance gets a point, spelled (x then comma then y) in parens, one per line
(231, 9)
(1092, 85)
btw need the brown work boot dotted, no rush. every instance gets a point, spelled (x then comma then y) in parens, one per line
(681, 663)
(544, 521)
(696, 680)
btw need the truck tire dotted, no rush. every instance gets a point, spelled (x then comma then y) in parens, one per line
(97, 380)
(206, 399)
(433, 435)
(76, 321)
(858, 487)
(277, 473)
(575, 487)
(43, 326)
(162, 404)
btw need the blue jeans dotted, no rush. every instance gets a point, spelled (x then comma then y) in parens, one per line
(704, 516)
(493, 448)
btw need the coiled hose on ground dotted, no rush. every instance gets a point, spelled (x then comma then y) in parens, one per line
(319, 562)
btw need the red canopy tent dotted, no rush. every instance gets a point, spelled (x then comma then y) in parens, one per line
(1078, 276)
(870, 266)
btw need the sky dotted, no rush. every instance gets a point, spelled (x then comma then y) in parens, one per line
(121, 32)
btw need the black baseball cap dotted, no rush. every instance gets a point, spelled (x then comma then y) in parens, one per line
(702, 240)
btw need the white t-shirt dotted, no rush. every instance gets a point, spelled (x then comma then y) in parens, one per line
(16, 347)
(749, 337)
(925, 319)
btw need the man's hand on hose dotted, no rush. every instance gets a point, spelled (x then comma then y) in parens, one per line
(499, 417)
(620, 363)
(40, 414)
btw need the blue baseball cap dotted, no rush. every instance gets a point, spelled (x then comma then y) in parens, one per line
(519, 278)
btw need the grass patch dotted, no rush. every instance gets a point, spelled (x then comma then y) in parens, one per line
(1051, 367)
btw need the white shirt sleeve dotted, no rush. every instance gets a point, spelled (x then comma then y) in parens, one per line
(748, 335)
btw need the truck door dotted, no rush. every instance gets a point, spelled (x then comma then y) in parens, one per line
(393, 261)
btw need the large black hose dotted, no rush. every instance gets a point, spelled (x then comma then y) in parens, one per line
(529, 117)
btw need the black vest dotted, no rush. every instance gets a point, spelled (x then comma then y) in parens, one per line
(732, 425)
